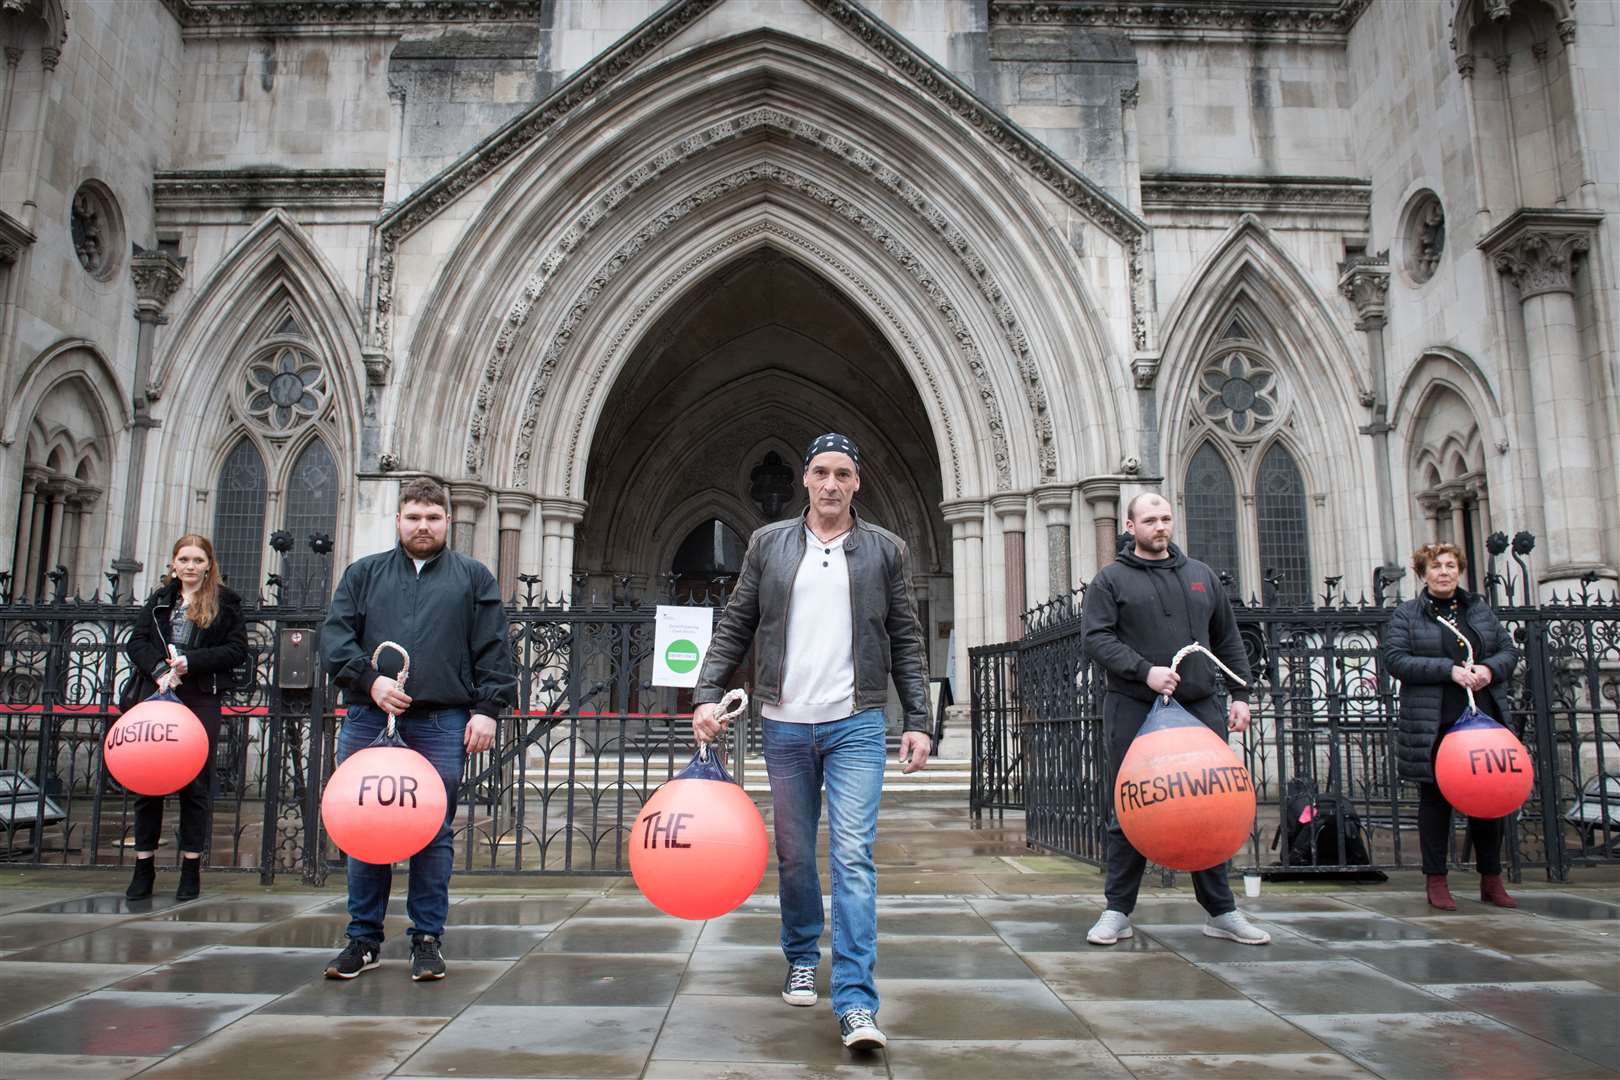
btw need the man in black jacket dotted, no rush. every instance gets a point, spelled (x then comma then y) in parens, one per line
(445, 609)
(825, 601)
(1139, 611)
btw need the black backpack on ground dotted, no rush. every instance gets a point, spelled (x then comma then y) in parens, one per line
(1311, 824)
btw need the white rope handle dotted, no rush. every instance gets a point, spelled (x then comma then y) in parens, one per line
(169, 679)
(399, 680)
(1468, 650)
(731, 707)
(1181, 655)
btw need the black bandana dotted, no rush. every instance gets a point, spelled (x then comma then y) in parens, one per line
(833, 443)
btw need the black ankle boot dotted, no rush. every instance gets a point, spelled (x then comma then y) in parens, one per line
(190, 880)
(140, 886)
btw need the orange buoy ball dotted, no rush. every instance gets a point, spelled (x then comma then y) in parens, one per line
(1482, 767)
(157, 747)
(1183, 798)
(697, 849)
(383, 804)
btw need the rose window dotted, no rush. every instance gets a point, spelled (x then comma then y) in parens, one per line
(285, 388)
(1239, 394)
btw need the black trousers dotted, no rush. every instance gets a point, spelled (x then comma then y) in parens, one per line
(196, 799)
(1434, 832)
(1122, 719)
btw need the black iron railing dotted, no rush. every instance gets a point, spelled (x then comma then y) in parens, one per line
(588, 741)
(1323, 721)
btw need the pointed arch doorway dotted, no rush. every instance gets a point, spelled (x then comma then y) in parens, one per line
(700, 440)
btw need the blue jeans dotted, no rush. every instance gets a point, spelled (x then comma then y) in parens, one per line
(437, 736)
(848, 756)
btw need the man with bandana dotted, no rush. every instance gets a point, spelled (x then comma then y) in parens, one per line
(825, 601)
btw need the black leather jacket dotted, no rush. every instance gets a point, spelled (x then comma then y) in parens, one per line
(887, 639)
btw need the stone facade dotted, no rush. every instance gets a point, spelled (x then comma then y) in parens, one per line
(1337, 275)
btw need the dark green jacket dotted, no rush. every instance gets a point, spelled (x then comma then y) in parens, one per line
(887, 640)
(449, 618)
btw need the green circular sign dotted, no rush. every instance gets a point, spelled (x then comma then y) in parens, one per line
(681, 656)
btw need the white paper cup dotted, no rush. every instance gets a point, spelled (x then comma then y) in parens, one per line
(1251, 884)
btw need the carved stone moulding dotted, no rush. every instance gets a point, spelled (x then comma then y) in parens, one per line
(15, 237)
(226, 18)
(1539, 248)
(1309, 21)
(1251, 194)
(264, 188)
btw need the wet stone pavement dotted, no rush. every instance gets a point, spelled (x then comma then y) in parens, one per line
(983, 968)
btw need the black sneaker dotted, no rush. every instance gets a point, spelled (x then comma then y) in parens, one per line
(800, 986)
(860, 1030)
(357, 956)
(426, 960)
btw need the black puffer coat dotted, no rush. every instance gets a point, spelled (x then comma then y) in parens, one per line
(1414, 652)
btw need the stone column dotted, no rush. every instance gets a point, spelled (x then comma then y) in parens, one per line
(53, 545)
(156, 276)
(1102, 499)
(36, 532)
(561, 517)
(49, 57)
(1430, 505)
(966, 519)
(513, 507)
(1009, 509)
(1459, 520)
(466, 502)
(1365, 283)
(1054, 504)
(1539, 251)
(1128, 98)
(25, 530)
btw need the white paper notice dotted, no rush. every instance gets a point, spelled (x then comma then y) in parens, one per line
(680, 640)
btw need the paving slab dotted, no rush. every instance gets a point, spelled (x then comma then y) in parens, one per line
(959, 1059)
(949, 958)
(1445, 962)
(709, 1028)
(531, 913)
(134, 943)
(540, 1041)
(747, 972)
(1105, 974)
(1516, 934)
(108, 904)
(30, 988)
(1575, 1015)
(27, 930)
(315, 932)
(1191, 942)
(1207, 1027)
(627, 935)
(1553, 905)
(228, 969)
(259, 1048)
(607, 979)
(975, 1009)
(233, 909)
(123, 1023)
(1318, 1066)
(1600, 967)
(1326, 986)
(756, 1070)
(72, 1066)
(472, 943)
(389, 991)
(1444, 1046)
(1352, 926)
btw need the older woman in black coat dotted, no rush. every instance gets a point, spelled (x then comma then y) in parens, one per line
(1432, 665)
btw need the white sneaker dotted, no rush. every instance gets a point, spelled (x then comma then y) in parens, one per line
(1113, 926)
(1235, 926)
(800, 986)
(860, 1030)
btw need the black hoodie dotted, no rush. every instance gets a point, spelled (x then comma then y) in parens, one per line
(1139, 612)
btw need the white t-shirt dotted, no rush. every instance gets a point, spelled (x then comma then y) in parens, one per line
(818, 681)
(419, 564)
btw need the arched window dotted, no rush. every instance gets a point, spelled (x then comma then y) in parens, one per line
(1211, 530)
(1244, 501)
(239, 518)
(1280, 525)
(312, 498)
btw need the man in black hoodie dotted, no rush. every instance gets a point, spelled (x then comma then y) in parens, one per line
(1138, 612)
